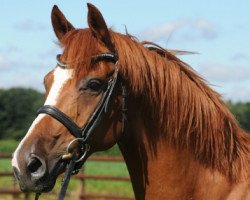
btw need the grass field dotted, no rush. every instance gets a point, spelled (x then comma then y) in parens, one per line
(90, 186)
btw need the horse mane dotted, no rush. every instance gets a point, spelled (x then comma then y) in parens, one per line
(186, 108)
(189, 113)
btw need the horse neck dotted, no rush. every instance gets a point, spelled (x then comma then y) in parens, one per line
(151, 161)
(157, 168)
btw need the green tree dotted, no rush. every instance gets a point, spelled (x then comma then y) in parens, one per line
(17, 110)
(242, 113)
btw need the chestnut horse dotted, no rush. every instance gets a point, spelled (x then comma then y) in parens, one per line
(177, 136)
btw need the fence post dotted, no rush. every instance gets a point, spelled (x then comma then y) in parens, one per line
(27, 196)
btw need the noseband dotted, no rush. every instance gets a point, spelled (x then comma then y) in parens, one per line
(83, 134)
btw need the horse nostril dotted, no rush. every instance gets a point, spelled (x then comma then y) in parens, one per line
(34, 164)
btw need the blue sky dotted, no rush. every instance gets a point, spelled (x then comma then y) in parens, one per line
(218, 30)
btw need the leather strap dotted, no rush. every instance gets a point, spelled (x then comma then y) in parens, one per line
(61, 117)
(66, 179)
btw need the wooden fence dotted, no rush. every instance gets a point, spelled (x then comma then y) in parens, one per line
(81, 176)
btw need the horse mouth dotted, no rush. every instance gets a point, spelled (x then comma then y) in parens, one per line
(47, 183)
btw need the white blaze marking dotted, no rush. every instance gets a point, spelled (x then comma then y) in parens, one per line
(61, 76)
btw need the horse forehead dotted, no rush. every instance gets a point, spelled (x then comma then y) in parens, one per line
(60, 78)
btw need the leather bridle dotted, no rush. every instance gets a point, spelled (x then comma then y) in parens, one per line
(83, 134)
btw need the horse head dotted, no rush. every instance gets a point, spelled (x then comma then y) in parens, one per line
(81, 113)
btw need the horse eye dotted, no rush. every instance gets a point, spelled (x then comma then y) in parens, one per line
(95, 85)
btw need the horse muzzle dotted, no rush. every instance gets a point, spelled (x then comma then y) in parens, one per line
(36, 177)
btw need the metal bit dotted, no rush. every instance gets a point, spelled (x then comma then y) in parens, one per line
(67, 156)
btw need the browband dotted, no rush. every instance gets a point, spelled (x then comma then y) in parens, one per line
(112, 57)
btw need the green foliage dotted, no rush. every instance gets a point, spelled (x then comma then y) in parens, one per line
(242, 114)
(114, 151)
(8, 145)
(108, 187)
(17, 110)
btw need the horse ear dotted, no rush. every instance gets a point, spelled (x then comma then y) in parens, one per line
(59, 22)
(98, 26)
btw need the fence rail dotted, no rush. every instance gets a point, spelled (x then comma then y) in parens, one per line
(82, 176)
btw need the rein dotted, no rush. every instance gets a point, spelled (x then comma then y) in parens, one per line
(83, 134)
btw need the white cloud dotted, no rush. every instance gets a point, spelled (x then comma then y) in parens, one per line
(241, 57)
(23, 76)
(161, 32)
(182, 30)
(29, 25)
(22, 80)
(238, 92)
(17, 73)
(10, 48)
(206, 28)
(5, 63)
(51, 53)
(232, 81)
(224, 73)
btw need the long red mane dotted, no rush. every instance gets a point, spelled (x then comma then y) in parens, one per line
(182, 105)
